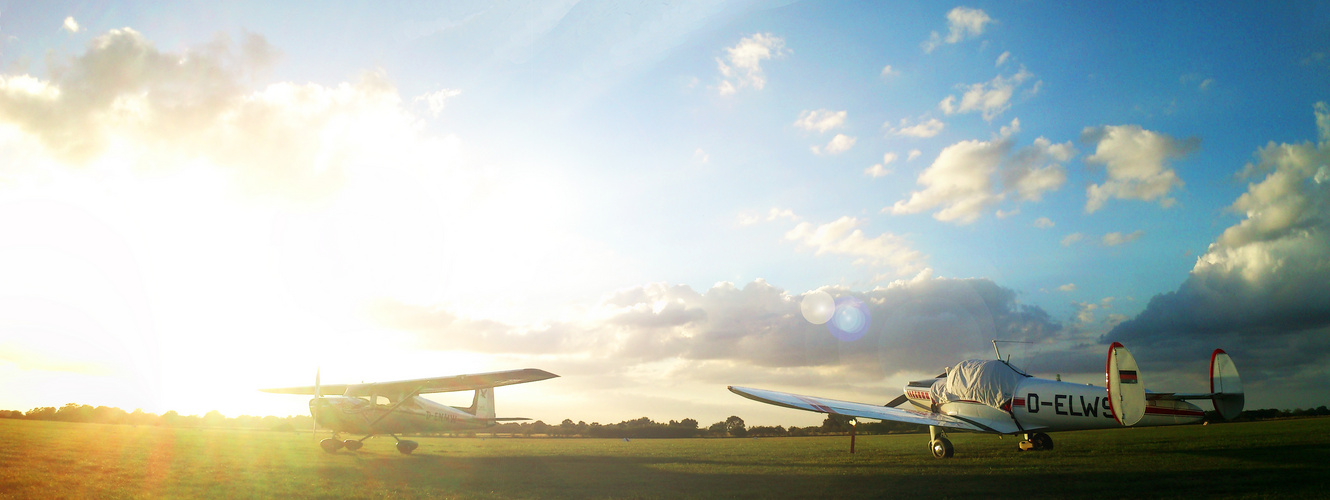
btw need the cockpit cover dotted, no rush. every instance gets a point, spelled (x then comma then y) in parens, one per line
(990, 382)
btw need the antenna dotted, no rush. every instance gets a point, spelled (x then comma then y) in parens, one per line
(999, 353)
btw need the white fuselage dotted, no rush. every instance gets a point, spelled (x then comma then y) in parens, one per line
(1049, 405)
(415, 414)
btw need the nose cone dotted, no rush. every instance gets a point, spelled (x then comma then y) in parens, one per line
(321, 410)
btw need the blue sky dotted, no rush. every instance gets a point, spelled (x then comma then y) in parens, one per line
(639, 196)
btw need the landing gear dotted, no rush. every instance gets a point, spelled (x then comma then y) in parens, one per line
(939, 443)
(942, 448)
(406, 447)
(352, 444)
(1037, 442)
(331, 445)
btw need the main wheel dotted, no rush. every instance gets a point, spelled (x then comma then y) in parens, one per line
(1042, 441)
(330, 445)
(352, 445)
(942, 448)
(406, 447)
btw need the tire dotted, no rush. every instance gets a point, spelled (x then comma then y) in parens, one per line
(352, 445)
(406, 447)
(1042, 441)
(330, 445)
(942, 448)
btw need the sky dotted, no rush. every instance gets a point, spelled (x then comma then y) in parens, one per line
(203, 199)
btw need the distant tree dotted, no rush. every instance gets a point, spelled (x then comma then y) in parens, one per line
(717, 429)
(734, 426)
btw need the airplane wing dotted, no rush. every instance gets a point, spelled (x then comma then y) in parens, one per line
(426, 385)
(862, 410)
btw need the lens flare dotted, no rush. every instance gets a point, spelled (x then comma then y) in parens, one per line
(818, 307)
(850, 320)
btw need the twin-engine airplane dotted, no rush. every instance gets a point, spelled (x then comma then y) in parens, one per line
(396, 407)
(991, 396)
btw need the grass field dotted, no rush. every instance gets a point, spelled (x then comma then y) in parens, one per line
(1287, 458)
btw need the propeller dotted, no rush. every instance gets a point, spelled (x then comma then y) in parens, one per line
(897, 402)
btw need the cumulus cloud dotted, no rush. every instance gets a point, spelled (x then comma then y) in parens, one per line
(436, 100)
(990, 98)
(885, 252)
(881, 169)
(1043, 223)
(1135, 161)
(1002, 58)
(71, 25)
(838, 144)
(1115, 238)
(741, 67)
(1069, 287)
(963, 23)
(924, 129)
(1037, 169)
(150, 108)
(820, 120)
(1071, 239)
(916, 325)
(914, 153)
(888, 71)
(1262, 289)
(961, 180)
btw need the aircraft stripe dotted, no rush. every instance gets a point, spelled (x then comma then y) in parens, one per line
(820, 407)
(1155, 410)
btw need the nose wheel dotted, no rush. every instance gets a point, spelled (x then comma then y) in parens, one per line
(331, 445)
(942, 448)
(1037, 442)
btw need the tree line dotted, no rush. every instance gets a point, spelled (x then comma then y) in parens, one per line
(638, 428)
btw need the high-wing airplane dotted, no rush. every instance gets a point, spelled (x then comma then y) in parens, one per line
(991, 396)
(396, 407)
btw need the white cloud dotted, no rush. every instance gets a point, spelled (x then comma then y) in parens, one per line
(990, 98)
(888, 71)
(1043, 223)
(1002, 58)
(914, 153)
(959, 181)
(885, 252)
(70, 25)
(838, 144)
(435, 101)
(1002, 214)
(1036, 169)
(1263, 286)
(880, 169)
(1072, 238)
(1135, 161)
(962, 23)
(820, 120)
(1116, 238)
(1069, 287)
(701, 156)
(772, 215)
(742, 65)
(924, 129)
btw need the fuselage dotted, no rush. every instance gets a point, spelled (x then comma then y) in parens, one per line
(1050, 405)
(415, 414)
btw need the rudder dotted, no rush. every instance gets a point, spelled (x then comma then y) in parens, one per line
(1226, 385)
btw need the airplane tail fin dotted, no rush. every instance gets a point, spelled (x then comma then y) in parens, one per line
(1225, 385)
(482, 403)
(1126, 392)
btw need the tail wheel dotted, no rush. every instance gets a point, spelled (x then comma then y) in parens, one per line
(352, 445)
(406, 447)
(331, 445)
(942, 448)
(1041, 441)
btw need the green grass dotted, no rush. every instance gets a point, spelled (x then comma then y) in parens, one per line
(1262, 459)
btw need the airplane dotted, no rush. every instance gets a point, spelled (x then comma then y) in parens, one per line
(396, 407)
(994, 397)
